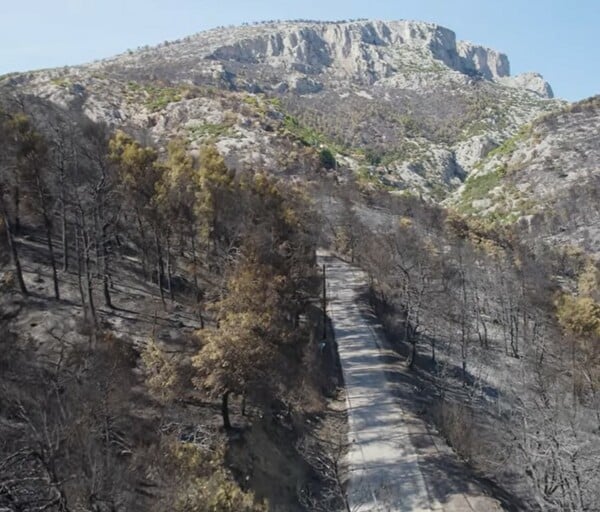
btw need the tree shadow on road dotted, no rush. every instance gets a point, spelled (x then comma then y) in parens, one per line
(415, 391)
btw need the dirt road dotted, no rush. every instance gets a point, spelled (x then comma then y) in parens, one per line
(396, 462)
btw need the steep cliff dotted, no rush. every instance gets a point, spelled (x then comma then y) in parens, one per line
(363, 51)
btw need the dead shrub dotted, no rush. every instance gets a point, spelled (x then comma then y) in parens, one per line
(456, 423)
(8, 280)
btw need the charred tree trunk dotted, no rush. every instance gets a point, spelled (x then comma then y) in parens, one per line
(65, 240)
(80, 272)
(243, 406)
(413, 352)
(160, 267)
(410, 338)
(169, 269)
(195, 268)
(13, 247)
(88, 273)
(48, 228)
(464, 337)
(17, 206)
(143, 242)
(97, 243)
(106, 267)
(225, 410)
(181, 243)
(514, 331)
(63, 219)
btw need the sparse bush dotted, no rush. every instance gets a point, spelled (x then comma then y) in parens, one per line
(479, 186)
(8, 281)
(216, 493)
(212, 130)
(162, 373)
(199, 480)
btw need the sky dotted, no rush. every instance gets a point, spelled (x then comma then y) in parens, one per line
(557, 38)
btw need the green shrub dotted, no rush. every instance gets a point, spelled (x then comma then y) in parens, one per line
(209, 129)
(373, 156)
(479, 186)
(327, 159)
(161, 97)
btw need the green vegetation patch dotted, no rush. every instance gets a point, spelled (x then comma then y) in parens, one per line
(307, 136)
(408, 150)
(214, 130)
(587, 105)
(8, 76)
(479, 186)
(508, 147)
(62, 81)
(369, 179)
(509, 204)
(158, 96)
(483, 113)
(261, 104)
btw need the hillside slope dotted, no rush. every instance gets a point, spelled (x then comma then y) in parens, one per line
(546, 179)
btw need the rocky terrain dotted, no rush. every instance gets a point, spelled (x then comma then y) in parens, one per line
(404, 104)
(545, 178)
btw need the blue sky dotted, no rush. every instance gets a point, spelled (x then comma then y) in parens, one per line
(557, 38)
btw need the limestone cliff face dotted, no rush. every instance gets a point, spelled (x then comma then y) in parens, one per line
(407, 55)
(489, 63)
(366, 51)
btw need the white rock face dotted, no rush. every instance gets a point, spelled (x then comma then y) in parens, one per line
(407, 55)
(533, 82)
(304, 85)
(489, 63)
(471, 151)
(366, 51)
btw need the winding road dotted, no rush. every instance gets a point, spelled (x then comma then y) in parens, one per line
(395, 461)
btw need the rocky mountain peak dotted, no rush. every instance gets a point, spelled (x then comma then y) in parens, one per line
(365, 51)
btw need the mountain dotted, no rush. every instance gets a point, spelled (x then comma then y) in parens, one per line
(404, 104)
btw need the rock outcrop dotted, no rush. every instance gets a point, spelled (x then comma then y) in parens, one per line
(470, 152)
(488, 63)
(366, 51)
(533, 82)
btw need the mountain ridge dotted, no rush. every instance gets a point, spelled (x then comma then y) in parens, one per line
(255, 42)
(419, 108)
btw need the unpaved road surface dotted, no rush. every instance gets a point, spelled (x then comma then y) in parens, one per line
(396, 462)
